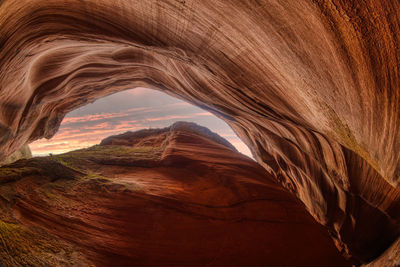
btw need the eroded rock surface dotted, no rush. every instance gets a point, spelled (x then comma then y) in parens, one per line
(22, 153)
(179, 196)
(312, 86)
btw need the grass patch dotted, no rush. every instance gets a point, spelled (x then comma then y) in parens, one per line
(20, 171)
(20, 246)
(81, 159)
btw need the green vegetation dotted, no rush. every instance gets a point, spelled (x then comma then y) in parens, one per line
(11, 173)
(30, 246)
(105, 150)
(80, 159)
(81, 163)
(20, 246)
(97, 177)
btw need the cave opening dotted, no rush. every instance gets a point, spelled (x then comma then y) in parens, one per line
(195, 199)
(310, 86)
(129, 110)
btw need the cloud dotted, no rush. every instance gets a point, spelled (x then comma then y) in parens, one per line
(127, 111)
(102, 116)
(103, 125)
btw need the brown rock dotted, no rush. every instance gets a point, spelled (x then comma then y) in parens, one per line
(312, 86)
(391, 257)
(200, 204)
(22, 153)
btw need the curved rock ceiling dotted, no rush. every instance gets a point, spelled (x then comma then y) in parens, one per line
(311, 86)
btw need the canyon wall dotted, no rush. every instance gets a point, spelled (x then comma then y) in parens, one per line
(312, 87)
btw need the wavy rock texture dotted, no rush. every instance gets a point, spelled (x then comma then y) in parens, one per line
(179, 196)
(312, 87)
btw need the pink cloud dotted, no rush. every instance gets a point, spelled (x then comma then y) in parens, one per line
(103, 125)
(83, 131)
(102, 116)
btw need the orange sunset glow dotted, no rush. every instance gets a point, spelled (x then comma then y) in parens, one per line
(130, 110)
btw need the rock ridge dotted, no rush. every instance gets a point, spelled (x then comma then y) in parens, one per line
(216, 207)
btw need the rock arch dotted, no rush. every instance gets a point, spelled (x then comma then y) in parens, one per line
(311, 86)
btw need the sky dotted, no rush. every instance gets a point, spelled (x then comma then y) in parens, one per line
(129, 110)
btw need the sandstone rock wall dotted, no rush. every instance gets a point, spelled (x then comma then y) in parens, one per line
(312, 86)
(22, 153)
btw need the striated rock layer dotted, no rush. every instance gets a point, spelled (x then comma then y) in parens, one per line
(312, 86)
(179, 196)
